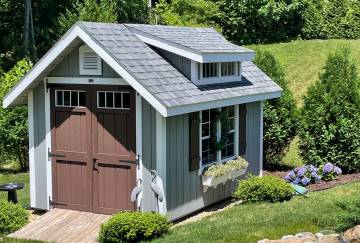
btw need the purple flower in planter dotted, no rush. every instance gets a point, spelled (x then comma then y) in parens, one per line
(305, 181)
(337, 170)
(301, 171)
(315, 176)
(328, 167)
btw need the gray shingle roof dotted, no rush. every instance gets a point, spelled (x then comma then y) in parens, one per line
(196, 38)
(161, 79)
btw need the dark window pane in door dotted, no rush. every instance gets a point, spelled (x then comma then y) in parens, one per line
(117, 100)
(109, 99)
(205, 130)
(205, 116)
(74, 98)
(101, 99)
(126, 100)
(66, 98)
(205, 145)
(82, 99)
(59, 97)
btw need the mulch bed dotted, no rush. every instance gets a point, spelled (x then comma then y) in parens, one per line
(322, 185)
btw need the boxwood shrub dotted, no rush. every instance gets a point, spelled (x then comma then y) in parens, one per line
(12, 217)
(267, 188)
(133, 227)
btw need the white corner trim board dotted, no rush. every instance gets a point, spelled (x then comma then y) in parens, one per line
(261, 137)
(31, 149)
(48, 145)
(139, 169)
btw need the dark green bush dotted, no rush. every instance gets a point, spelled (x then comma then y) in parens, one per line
(351, 217)
(330, 118)
(332, 19)
(266, 188)
(133, 227)
(12, 217)
(280, 115)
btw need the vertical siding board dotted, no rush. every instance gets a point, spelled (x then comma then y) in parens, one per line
(74, 63)
(187, 185)
(180, 157)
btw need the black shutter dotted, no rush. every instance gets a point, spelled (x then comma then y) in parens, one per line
(242, 129)
(194, 141)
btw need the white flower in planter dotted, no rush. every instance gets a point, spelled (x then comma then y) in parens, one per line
(221, 173)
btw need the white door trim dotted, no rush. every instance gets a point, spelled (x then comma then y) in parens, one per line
(31, 149)
(86, 80)
(139, 168)
(48, 145)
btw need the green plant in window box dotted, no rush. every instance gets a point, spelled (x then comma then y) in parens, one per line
(221, 173)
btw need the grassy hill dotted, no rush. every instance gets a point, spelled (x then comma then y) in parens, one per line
(303, 62)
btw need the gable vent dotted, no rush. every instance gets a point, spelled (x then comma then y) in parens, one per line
(89, 61)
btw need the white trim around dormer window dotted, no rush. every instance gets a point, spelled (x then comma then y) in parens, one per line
(198, 78)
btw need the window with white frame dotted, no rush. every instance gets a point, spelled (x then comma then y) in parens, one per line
(113, 99)
(219, 70)
(70, 98)
(217, 135)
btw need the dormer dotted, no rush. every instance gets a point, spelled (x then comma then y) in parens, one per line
(214, 60)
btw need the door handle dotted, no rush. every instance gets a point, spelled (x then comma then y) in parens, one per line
(55, 155)
(95, 164)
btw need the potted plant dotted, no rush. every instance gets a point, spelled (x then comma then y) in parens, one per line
(221, 173)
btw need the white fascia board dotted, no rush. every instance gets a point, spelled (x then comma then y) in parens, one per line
(122, 72)
(40, 67)
(178, 110)
(228, 57)
(195, 55)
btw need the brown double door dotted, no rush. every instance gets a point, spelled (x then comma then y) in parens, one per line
(93, 147)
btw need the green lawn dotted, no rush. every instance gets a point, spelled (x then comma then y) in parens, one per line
(252, 222)
(303, 62)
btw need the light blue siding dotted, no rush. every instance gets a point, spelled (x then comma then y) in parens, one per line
(69, 67)
(184, 188)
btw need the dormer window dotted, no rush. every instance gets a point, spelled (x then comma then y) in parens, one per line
(89, 61)
(217, 72)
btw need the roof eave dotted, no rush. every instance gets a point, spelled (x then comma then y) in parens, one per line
(178, 110)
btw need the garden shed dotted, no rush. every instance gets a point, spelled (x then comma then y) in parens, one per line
(114, 107)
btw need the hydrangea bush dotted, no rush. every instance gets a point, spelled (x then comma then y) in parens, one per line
(308, 174)
(329, 171)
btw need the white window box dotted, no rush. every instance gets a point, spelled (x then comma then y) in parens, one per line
(236, 173)
(213, 181)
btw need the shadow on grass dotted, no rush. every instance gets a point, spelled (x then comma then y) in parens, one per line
(10, 171)
(278, 167)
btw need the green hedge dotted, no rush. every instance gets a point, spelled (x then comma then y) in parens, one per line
(330, 118)
(266, 188)
(12, 217)
(133, 227)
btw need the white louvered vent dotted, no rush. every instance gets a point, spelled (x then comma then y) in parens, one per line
(89, 61)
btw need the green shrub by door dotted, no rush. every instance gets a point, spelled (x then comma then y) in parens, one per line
(133, 227)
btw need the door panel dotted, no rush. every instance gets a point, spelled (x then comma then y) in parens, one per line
(71, 138)
(97, 169)
(113, 134)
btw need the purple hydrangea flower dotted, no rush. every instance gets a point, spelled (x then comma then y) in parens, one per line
(337, 170)
(313, 168)
(296, 181)
(328, 167)
(305, 181)
(302, 171)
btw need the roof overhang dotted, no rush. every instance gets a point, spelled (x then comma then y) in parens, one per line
(76, 33)
(178, 110)
(195, 55)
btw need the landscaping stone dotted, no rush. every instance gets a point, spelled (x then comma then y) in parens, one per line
(307, 237)
(352, 235)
